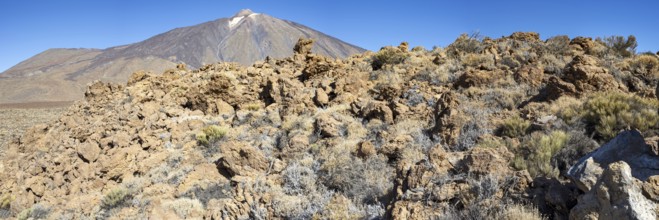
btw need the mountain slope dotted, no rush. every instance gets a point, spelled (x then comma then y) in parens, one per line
(60, 74)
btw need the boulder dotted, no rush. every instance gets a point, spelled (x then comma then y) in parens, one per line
(303, 46)
(241, 159)
(629, 146)
(616, 195)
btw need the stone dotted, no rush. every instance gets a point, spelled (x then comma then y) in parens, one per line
(629, 147)
(651, 188)
(89, 151)
(617, 195)
(303, 46)
(241, 159)
(328, 126)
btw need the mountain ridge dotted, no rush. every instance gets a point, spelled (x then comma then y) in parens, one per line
(253, 37)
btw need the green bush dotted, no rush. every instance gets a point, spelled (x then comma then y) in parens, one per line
(5, 201)
(536, 152)
(115, 198)
(388, 55)
(514, 127)
(210, 134)
(608, 113)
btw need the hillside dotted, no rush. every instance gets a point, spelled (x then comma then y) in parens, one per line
(508, 128)
(61, 74)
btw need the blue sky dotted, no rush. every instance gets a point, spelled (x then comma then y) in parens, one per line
(28, 27)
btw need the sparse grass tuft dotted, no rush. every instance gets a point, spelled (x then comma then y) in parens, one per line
(115, 198)
(210, 134)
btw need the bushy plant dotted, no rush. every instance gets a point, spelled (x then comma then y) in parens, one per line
(115, 198)
(647, 66)
(465, 44)
(210, 134)
(514, 127)
(625, 47)
(536, 152)
(608, 113)
(37, 211)
(388, 55)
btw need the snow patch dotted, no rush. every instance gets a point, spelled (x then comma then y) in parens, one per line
(234, 21)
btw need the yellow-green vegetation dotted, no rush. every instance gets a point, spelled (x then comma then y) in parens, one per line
(252, 106)
(5, 201)
(645, 65)
(115, 198)
(210, 134)
(611, 112)
(388, 55)
(535, 153)
(23, 215)
(514, 127)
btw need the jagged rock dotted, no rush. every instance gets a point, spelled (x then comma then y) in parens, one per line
(617, 195)
(483, 161)
(303, 46)
(321, 97)
(99, 91)
(582, 44)
(241, 159)
(651, 188)
(526, 36)
(477, 78)
(529, 74)
(369, 109)
(629, 146)
(445, 113)
(136, 77)
(89, 151)
(328, 126)
(586, 75)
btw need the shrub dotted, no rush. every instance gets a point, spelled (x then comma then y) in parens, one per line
(558, 45)
(388, 55)
(608, 113)
(536, 152)
(185, 207)
(37, 211)
(115, 198)
(646, 66)
(299, 179)
(5, 201)
(210, 134)
(517, 211)
(625, 47)
(465, 44)
(514, 127)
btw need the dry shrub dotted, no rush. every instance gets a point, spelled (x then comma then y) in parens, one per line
(514, 127)
(647, 66)
(608, 113)
(536, 152)
(521, 212)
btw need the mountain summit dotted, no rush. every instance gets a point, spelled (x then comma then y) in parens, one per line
(61, 74)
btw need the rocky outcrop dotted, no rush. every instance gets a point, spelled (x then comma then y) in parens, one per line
(629, 147)
(616, 195)
(612, 178)
(581, 76)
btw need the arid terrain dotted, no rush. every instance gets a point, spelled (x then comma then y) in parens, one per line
(509, 128)
(16, 118)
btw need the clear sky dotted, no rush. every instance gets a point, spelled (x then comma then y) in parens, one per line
(28, 27)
